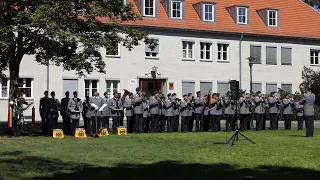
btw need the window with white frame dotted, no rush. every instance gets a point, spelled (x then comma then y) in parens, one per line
(113, 49)
(272, 18)
(176, 9)
(112, 86)
(205, 51)
(223, 52)
(149, 7)
(25, 84)
(314, 57)
(187, 50)
(208, 12)
(242, 15)
(152, 53)
(4, 87)
(90, 86)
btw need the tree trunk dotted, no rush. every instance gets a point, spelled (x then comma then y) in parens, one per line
(14, 68)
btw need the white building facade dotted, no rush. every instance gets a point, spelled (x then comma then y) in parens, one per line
(186, 60)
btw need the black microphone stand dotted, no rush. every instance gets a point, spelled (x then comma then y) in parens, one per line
(236, 134)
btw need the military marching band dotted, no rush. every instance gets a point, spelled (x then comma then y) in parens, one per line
(160, 113)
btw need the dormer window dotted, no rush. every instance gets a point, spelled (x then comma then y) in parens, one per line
(208, 12)
(242, 15)
(149, 8)
(272, 18)
(176, 9)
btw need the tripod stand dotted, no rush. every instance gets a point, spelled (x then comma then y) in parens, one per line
(236, 134)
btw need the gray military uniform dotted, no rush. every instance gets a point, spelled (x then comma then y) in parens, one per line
(154, 106)
(287, 106)
(106, 110)
(75, 105)
(307, 101)
(244, 108)
(98, 101)
(215, 110)
(128, 106)
(137, 104)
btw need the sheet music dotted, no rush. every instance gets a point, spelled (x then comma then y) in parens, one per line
(95, 106)
(103, 106)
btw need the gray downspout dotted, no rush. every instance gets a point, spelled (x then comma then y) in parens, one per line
(240, 57)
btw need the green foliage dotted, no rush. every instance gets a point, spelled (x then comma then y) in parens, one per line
(311, 78)
(65, 33)
(312, 2)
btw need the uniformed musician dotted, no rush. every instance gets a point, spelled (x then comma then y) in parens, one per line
(86, 114)
(206, 117)
(106, 112)
(146, 119)
(54, 108)
(163, 117)
(96, 103)
(64, 112)
(228, 111)
(273, 110)
(198, 105)
(129, 112)
(244, 111)
(154, 112)
(44, 112)
(115, 106)
(307, 101)
(170, 116)
(75, 108)
(215, 113)
(259, 110)
(191, 111)
(184, 114)
(287, 104)
(138, 111)
(176, 112)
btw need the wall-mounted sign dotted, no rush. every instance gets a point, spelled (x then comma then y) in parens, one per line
(171, 86)
(132, 81)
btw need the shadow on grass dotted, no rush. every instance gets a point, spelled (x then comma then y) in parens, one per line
(16, 165)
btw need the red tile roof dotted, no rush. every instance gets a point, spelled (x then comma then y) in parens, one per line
(296, 19)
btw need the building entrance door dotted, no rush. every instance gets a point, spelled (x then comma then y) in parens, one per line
(151, 85)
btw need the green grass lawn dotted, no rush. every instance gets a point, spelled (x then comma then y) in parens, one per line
(276, 155)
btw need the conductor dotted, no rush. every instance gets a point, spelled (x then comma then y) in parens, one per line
(308, 108)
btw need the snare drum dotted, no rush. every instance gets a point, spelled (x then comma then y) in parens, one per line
(80, 133)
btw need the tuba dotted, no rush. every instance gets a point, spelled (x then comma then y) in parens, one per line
(125, 94)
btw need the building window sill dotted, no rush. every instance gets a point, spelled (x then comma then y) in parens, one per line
(152, 58)
(314, 64)
(286, 64)
(205, 60)
(113, 56)
(223, 61)
(271, 64)
(183, 59)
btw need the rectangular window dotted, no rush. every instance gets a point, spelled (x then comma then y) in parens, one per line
(26, 84)
(314, 57)
(112, 86)
(271, 87)
(223, 52)
(272, 18)
(176, 9)
(256, 87)
(286, 88)
(205, 51)
(208, 12)
(187, 50)
(152, 53)
(113, 49)
(188, 87)
(70, 85)
(4, 87)
(90, 87)
(222, 87)
(255, 52)
(205, 87)
(271, 55)
(286, 56)
(242, 15)
(149, 7)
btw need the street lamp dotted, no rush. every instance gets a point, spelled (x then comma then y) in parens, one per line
(251, 59)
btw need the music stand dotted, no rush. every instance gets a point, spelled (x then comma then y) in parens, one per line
(236, 134)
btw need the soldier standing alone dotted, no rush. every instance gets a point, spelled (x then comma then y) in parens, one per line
(75, 107)
(307, 101)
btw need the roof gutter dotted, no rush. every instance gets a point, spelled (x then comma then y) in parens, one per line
(227, 33)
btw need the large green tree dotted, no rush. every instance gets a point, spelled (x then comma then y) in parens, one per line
(313, 3)
(65, 33)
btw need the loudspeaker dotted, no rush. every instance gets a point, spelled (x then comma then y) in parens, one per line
(234, 89)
